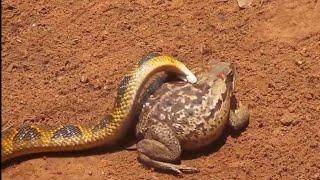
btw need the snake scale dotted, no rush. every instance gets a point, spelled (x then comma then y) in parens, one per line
(29, 139)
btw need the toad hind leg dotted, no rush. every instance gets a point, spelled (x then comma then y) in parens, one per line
(161, 148)
(239, 118)
(166, 166)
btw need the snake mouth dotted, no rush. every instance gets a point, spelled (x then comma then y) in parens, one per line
(188, 78)
(191, 78)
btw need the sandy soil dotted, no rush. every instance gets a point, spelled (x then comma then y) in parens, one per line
(49, 46)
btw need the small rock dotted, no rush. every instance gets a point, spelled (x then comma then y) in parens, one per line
(298, 62)
(90, 173)
(304, 49)
(286, 121)
(291, 109)
(270, 85)
(75, 41)
(99, 54)
(237, 164)
(316, 176)
(11, 67)
(289, 119)
(295, 122)
(97, 86)
(244, 3)
(279, 112)
(106, 87)
(284, 169)
(314, 145)
(260, 125)
(59, 78)
(205, 49)
(84, 79)
(309, 96)
(10, 7)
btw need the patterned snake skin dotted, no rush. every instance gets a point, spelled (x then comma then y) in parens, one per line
(33, 138)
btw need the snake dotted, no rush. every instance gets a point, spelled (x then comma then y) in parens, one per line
(31, 139)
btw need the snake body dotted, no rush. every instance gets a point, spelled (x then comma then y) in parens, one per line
(31, 139)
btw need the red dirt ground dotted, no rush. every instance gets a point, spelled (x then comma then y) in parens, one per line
(48, 46)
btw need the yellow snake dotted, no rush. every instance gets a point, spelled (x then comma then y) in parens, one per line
(30, 139)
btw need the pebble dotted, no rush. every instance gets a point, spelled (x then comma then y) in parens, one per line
(59, 78)
(106, 87)
(260, 125)
(316, 176)
(10, 7)
(11, 67)
(292, 108)
(205, 49)
(286, 121)
(84, 79)
(309, 96)
(279, 112)
(289, 119)
(314, 145)
(298, 62)
(244, 3)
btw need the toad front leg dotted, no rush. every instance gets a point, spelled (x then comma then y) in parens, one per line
(239, 117)
(160, 148)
